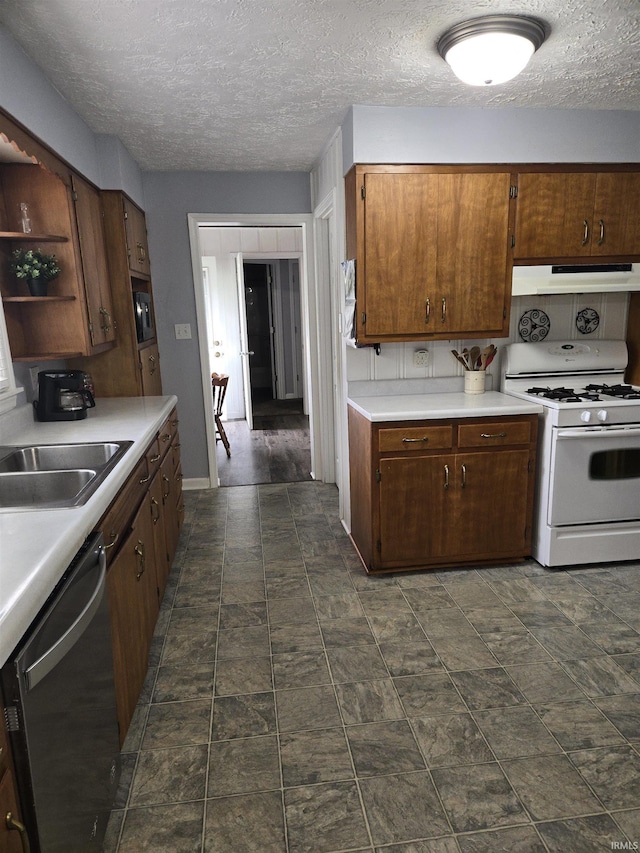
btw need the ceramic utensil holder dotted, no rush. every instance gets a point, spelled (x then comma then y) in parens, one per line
(474, 381)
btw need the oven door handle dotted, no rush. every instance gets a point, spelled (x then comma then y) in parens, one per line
(598, 432)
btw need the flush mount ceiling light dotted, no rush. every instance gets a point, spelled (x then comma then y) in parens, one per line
(488, 51)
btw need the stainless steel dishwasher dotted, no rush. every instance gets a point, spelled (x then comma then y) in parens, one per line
(59, 700)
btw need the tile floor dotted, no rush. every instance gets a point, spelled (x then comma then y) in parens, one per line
(295, 704)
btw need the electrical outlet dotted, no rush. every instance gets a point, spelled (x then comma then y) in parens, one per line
(183, 331)
(420, 358)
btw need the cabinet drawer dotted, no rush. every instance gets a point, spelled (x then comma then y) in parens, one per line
(116, 519)
(494, 433)
(415, 438)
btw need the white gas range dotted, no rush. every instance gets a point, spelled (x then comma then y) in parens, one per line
(588, 480)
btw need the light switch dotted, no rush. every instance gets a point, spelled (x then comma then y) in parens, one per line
(183, 331)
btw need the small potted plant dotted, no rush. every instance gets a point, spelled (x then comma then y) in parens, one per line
(36, 268)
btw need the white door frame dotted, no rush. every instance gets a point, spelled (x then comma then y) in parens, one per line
(315, 315)
(245, 354)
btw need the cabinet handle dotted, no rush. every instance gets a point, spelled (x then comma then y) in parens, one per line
(139, 551)
(427, 310)
(464, 476)
(444, 309)
(155, 518)
(145, 480)
(166, 480)
(446, 476)
(411, 440)
(585, 238)
(12, 823)
(153, 365)
(493, 435)
(155, 458)
(112, 541)
(601, 238)
(142, 255)
(175, 422)
(166, 437)
(106, 319)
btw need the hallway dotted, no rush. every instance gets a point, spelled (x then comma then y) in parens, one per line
(277, 450)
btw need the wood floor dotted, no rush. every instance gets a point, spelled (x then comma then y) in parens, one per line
(277, 451)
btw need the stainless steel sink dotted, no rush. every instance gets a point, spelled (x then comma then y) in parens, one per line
(39, 489)
(57, 457)
(50, 476)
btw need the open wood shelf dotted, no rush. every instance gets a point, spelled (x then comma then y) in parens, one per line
(45, 356)
(38, 298)
(32, 238)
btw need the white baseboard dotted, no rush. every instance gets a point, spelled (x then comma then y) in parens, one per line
(196, 483)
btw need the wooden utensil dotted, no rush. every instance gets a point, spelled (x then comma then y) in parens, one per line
(474, 355)
(459, 358)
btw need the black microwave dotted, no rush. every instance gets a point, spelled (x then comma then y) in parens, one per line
(144, 315)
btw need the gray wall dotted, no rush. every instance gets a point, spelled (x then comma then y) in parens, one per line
(169, 197)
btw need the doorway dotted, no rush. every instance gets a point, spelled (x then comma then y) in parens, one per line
(271, 442)
(269, 238)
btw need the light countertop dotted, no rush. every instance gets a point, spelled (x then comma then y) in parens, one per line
(452, 404)
(36, 546)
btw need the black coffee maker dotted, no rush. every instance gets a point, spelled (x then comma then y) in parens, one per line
(63, 395)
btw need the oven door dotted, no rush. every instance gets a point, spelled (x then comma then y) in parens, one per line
(595, 475)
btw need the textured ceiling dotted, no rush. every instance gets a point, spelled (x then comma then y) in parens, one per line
(262, 84)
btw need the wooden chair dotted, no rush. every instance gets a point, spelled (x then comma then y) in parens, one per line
(219, 382)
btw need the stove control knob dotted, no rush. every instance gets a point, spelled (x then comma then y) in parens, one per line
(602, 415)
(586, 417)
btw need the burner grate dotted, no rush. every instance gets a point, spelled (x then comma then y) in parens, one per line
(623, 392)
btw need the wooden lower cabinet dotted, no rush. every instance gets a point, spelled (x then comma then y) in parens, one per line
(415, 507)
(133, 601)
(141, 530)
(13, 836)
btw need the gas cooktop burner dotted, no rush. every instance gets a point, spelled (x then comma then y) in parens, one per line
(565, 395)
(624, 392)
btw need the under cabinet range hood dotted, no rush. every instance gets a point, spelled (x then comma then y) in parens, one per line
(575, 278)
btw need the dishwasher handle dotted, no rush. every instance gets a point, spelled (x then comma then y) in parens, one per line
(40, 668)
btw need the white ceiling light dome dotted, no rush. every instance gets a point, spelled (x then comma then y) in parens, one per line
(491, 50)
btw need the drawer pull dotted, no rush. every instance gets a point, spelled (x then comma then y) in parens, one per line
(493, 435)
(12, 823)
(412, 440)
(585, 236)
(145, 480)
(113, 539)
(464, 477)
(139, 551)
(155, 458)
(427, 310)
(446, 476)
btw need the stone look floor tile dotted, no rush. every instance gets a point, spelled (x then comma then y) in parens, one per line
(314, 756)
(515, 689)
(550, 787)
(403, 807)
(241, 766)
(381, 748)
(478, 797)
(323, 818)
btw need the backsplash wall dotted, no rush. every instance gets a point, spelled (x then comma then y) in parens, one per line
(396, 360)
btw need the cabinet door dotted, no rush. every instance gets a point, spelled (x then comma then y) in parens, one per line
(616, 220)
(554, 215)
(163, 564)
(133, 602)
(150, 371)
(491, 513)
(473, 232)
(94, 261)
(399, 253)
(413, 508)
(9, 835)
(136, 230)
